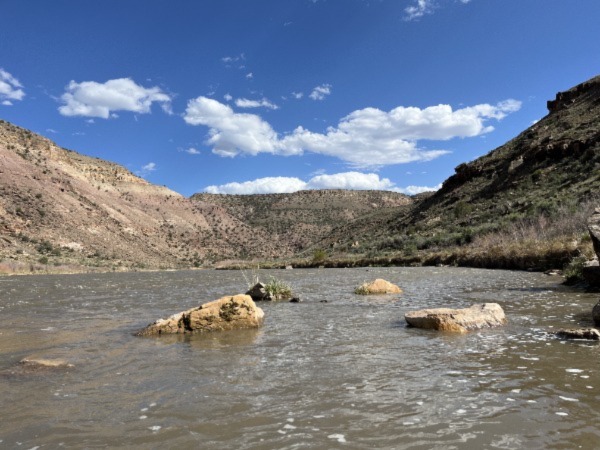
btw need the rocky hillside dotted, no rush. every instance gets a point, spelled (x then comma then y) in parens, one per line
(60, 207)
(300, 219)
(549, 169)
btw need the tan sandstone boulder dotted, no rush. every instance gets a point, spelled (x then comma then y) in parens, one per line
(227, 313)
(378, 286)
(486, 315)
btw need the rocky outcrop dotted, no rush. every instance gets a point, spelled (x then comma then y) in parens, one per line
(486, 315)
(377, 286)
(594, 229)
(227, 313)
(588, 334)
(591, 273)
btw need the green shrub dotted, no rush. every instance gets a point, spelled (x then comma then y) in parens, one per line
(278, 288)
(319, 255)
(573, 272)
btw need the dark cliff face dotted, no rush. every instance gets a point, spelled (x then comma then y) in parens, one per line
(561, 152)
(553, 163)
(584, 92)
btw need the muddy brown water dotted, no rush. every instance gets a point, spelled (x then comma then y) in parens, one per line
(343, 374)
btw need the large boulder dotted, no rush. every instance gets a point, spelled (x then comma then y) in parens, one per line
(227, 313)
(486, 315)
(378, 286)
(596, 313)
(594, 229)
(591, 273)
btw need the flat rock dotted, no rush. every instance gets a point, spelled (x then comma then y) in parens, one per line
(43, 363)
(226, 313)
(588, 334)
(378, 286)
(486, 315)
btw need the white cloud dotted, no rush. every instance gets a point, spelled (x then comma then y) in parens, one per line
(192, 151)
(297, 95)
(320, 92)
(260, 186)
(10, 88)
(92, 99)
(231, 133)
(250, 75)
(233, 59)
(423, 7)
(263, 103)
(413, 190)
(365, 138)
(146, 169)
(228, 97)
(345, 180)
(418, 10)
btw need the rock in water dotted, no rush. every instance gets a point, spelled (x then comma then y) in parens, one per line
(588, 334)
(596, 313)
(378, 286)
(43, 363)
(259, 293)
(594, 229)
(476, 317)
(591, 273)
(227, 313)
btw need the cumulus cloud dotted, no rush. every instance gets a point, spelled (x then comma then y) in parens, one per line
(297, 95)
(146, 169)
(263, 103)
(419, 9)
(92, 99)
(192, 151)
(345, 180)
(10, 88)
(423, 7)
(413, 190)
(367, 137)
(320, 92)
(228, 97)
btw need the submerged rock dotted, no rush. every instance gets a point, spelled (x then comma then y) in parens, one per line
(588, 334)
(227, 313)
(43, 363)
(486, 315)
(378, 286)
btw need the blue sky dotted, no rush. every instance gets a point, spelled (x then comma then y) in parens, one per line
(255, 96)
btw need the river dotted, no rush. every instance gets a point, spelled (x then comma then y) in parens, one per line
(345, 373)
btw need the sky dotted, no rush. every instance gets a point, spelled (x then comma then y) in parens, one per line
(263, 96)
